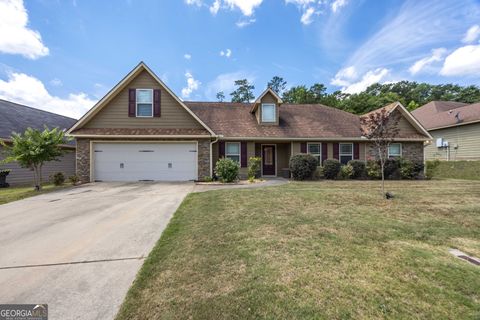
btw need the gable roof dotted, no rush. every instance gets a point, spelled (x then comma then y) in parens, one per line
(259, 99)
(444, 114)
(15, 117)
(121, 85)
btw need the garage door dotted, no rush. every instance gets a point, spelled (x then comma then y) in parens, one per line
(145, 161)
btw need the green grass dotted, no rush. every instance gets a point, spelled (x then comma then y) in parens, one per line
(469, 170)
(17, 193)
(316, 250)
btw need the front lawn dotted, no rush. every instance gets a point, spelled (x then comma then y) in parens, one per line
(17, 193)
(316, 250)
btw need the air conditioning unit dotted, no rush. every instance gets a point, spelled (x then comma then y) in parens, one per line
(439, 142)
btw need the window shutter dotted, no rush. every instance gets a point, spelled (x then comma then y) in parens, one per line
(221, 149)
(156, 102)
(336, 150)
(356, 151)
(303, 147)
(324, 151)
(258, 151)
(243, 154)
(132, 102)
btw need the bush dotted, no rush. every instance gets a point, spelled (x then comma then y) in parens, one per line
(74, 179)
(4, 172)
(227, 169)
(58, 178)
(302, 166)
(392, 169)
(207, 179)
(406, 169)
(373, 169)
(358, 167)
(346, 171)
(431, 166)
(318, 174)
(254, 164)
(331, 168)
(418, 170)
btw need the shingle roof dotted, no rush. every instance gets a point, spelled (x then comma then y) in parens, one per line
(17, 118)
(141, 131)
(438, 114)
(296, 120)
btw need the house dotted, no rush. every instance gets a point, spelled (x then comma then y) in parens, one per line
(142, 131)
(17, 118)
(455, 128)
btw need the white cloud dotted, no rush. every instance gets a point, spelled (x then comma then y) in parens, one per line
(472, 34)
(307, 16)
(247, 7)
(463, 61)
(24, 89)
(244, 23)
(337, 4)
(197, 3)
(436, 56)
(56, 82)
(15, 36)
(225, 82)
(227, 53)
(192, 85)
(187, 56)
(346, 78)
(215, 7)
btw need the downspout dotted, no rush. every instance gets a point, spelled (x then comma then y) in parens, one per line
(211, 155)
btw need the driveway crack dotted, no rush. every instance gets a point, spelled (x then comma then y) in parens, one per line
(70, 263)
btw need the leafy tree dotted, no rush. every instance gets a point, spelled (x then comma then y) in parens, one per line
(244, 91)
(277, 84)
(381, 128)
(33, 148)
(298, 94)
(220, 96)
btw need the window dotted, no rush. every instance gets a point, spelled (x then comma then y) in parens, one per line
(268, 112)
(346, 152)
(144, 103)
(315, 149)
(395, 150)
(232, 151)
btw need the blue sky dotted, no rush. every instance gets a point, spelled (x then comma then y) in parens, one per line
(63, 56)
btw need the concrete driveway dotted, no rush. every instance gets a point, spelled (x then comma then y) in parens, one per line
(78, 250)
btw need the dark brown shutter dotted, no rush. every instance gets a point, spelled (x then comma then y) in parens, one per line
(131, 102)
(336, 150)
(258, 150)
(221, 149)
(324, 151)
(243, 154)
(356, 151)
(156, 102)
(303, 147)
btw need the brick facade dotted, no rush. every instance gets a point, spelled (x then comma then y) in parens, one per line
(410, 150)
(83, 156)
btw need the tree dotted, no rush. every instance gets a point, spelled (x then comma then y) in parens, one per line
(33, 148)
(298, 94)
(244, 91)
(277, 84)
(381, 127)
(220, 96)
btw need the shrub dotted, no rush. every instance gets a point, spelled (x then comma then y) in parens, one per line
(406, 169)
(207, 179)
(302, 166)
(58, 178)
(392, 169)
(373, 169)
(346, 171)
(227, 169)
(4, 172)
(318, 174)
(418, 170)
(74, 179)
(358, 167)
(254, 164)
(331, 168)
(431, 166)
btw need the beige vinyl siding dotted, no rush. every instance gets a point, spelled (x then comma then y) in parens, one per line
(268, 98)
(465, 137)
(23, 176)
(115, 113)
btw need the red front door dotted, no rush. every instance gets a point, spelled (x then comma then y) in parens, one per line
(268, 160)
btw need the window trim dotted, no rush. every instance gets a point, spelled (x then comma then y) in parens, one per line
(234, 154)
(274, 112)
(136, 103)
(340, 154)
(319, 151)
(401, 150)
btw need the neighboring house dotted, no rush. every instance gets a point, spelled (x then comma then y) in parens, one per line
(142, 131)
(17, 118)
(455, 128)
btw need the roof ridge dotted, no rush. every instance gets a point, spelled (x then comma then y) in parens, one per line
(36, 109)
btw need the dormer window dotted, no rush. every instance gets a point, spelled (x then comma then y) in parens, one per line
(268, 112)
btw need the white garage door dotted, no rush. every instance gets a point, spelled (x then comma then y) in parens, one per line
(145, 161)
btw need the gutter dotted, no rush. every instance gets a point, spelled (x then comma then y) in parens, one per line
(211, 154)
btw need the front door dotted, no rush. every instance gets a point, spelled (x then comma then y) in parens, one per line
(268, 160)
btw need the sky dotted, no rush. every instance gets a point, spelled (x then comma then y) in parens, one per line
(64, 55)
